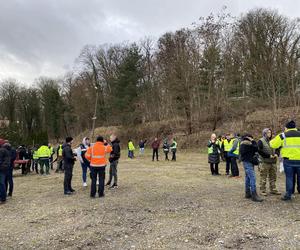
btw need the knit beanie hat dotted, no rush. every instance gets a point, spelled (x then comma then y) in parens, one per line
(290, 124)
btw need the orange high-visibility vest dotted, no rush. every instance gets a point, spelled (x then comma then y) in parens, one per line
(96, 154)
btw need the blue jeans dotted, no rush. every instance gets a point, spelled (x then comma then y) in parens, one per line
(85, 166)
(130, 154)
(290, 168)
(250, 180)
(2, 186)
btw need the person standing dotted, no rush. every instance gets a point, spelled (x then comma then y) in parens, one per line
(268, 166)
(234, 155)
(35, 160)
(226, 146)
(23, 156)
(96, 156)
(4, 166)
(155, 146)
(142, 146)
(289, 142)
(131, 149)
(85, 165)
(173, 148)
(248, 151)
(69, 161)
(9, 182)
(214, 154)
(59, 158)
(51, 155)
(44, 155)
(114, 160)
(166, 149)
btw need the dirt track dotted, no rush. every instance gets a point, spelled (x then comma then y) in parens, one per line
(160, 205)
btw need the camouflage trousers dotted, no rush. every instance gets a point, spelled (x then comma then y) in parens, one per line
(268, 171)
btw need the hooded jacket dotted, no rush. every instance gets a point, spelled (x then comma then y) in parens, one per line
(81, 150)
(115, 154)
(264, 149)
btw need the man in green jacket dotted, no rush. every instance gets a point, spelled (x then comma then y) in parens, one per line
(268, 168)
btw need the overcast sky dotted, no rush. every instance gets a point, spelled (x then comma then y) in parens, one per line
(44, 37)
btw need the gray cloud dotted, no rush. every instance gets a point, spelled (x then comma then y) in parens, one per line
(44, 37)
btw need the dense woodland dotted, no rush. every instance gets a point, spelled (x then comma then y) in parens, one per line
(219, 68)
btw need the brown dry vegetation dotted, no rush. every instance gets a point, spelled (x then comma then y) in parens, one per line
(252, 123)
(160, 205)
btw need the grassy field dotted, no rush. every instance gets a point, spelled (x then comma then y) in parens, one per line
(159, 205)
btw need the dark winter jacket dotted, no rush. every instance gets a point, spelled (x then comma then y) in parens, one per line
(68, 156)
(23, 153)
(12, 153)
(116, 151)
(4, 159)
(214, 157)
(142, 144)
(166, 147)
(248, 150)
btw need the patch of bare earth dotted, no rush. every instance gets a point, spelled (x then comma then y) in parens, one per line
(159, 205)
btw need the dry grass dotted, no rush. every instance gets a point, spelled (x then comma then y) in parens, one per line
(159, 205)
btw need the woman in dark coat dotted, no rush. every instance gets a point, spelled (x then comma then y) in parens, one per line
(214, 151)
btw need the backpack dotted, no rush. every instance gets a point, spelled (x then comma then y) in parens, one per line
(4, 159)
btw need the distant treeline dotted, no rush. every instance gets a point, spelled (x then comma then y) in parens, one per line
(219, 68)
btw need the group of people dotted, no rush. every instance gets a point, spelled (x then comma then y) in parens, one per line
(230, 148)
(29, 158)
(167, 147)
(265, 154)
(91, 157)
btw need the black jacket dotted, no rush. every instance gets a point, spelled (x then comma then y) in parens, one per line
(23, 153)
(68, 156)
(116, 151)
(248, 150)
(4, 159)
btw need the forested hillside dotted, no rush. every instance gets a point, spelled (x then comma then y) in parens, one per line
(220, 69)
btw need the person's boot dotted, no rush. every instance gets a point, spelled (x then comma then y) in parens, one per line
(275, 192)
(248, 194)
(108, 183)
(113, 186)
(286, 198)
(263, 192)
(255, 197)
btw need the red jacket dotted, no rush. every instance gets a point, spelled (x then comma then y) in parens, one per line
(155, 144)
